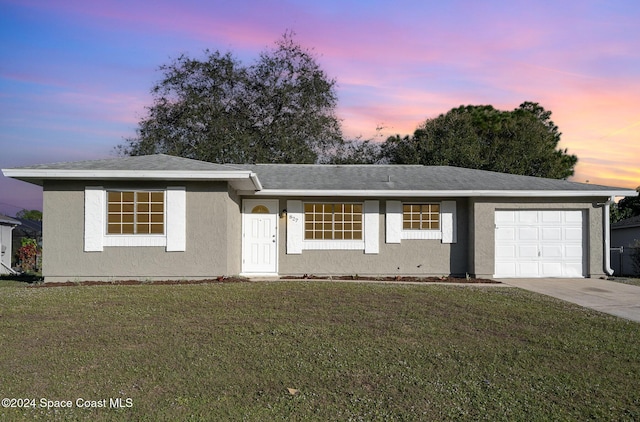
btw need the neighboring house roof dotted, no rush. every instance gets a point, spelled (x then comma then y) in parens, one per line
(626, 223)
(30, 227)
(8, 220)
(319, 180)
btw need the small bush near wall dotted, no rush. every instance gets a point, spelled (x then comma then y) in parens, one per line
(28, 255)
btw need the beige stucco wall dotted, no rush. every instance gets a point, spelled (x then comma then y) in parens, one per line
(214, 240)
(410, 257)
(212, 246)
(234, 233)
(482, 229)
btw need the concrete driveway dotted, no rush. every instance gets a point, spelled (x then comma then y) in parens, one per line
(610, 297)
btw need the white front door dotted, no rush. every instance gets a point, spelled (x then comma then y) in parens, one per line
(260, 237)
(539, 243)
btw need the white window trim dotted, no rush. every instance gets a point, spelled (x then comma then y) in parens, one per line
(448, 222)
(395, 233)
(176, 218)
(95, 220)
(295, 231)
(295, 227)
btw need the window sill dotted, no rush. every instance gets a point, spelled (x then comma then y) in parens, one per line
(135, 240)
(421, 234)
(333, 245)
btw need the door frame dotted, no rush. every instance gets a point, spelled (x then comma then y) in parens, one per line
(273, 207)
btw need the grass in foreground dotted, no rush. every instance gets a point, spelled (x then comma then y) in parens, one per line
(352, 352)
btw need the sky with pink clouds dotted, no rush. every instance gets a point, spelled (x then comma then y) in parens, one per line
(75, 75)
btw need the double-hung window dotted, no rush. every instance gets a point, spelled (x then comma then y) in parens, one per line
(332, 221)
(421, 220)
(135, 217)
(421, 216)
(135, 212)
(316, 225)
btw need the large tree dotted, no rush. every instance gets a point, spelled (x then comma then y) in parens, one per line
(33, 215)
(280, 109)
(523, 141)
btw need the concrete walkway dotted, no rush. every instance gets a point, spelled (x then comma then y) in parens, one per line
(619, 299)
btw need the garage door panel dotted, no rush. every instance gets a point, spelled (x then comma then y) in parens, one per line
(506, 251)
(527, 233)
(505, 217)
(551, 251)
(573, 251)
(552, 217)
(526, 217)
(551, 233)
(573, 234)
(506, 233)
(527, 251)
(573, 270)
(551, 269)
(573, 217)
(506, 268)
(528, 269)
(539, 243)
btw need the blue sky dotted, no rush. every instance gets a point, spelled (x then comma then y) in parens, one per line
(75, 75)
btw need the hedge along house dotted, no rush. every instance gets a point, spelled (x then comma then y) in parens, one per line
(163, 217)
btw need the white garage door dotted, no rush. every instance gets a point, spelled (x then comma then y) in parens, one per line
(537, 243)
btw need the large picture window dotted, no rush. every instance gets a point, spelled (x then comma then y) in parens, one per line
(135, 212)
(327, 221)
(421, 217)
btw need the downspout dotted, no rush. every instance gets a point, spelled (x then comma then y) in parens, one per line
(607, 237)
(256, 181)
(8, 268)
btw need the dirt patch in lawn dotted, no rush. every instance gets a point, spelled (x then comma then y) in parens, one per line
(447, 279)
(139, 282)
(221, 279)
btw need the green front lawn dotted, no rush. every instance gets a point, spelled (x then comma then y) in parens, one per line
(347, 351)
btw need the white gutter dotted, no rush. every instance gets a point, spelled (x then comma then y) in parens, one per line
(607, 237)
(126, 174)
(440, 193)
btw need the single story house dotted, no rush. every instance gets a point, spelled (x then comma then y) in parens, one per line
(625, 238)
(164, 217)
(7, 224)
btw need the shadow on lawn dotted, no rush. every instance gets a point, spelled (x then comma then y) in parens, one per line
(24, 278)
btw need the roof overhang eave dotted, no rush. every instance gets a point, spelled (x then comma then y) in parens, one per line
(443, 193)
(240, 179)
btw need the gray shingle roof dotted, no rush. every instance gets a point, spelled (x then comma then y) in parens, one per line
(4, 219)
(159, 162)
(404, 177)
(312, 177)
